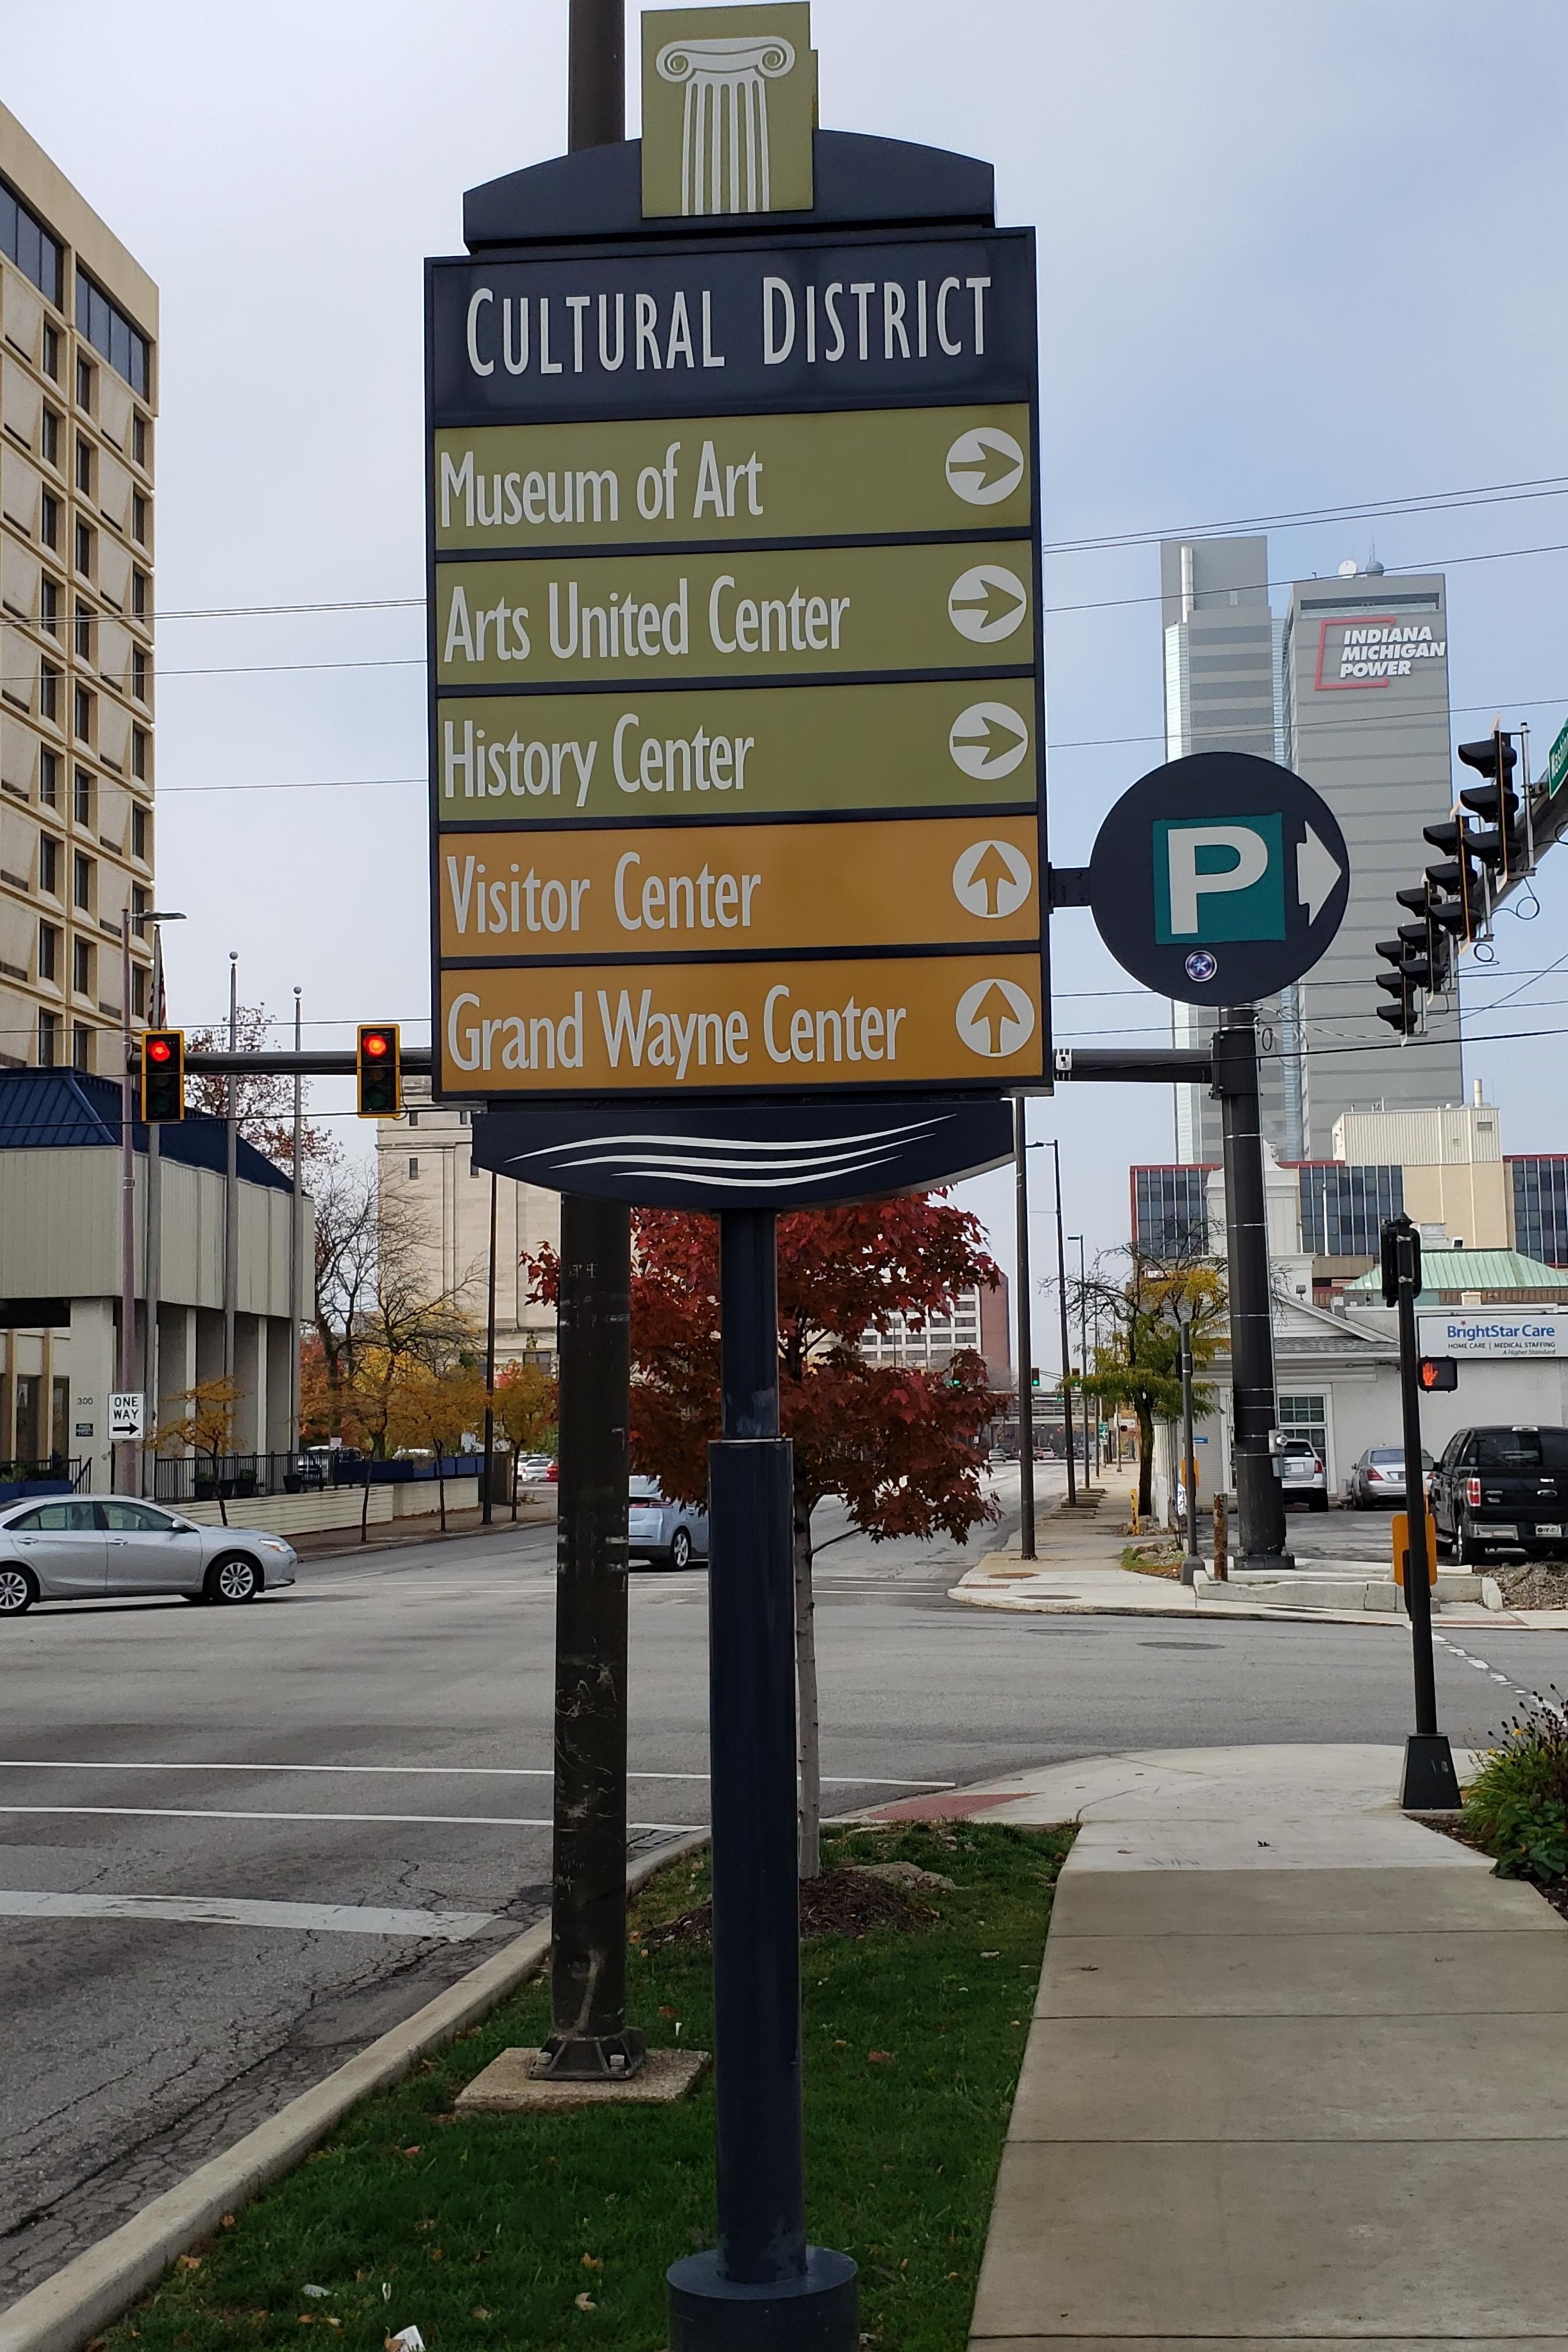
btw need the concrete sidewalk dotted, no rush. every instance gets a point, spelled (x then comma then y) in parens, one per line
(1296, 2070)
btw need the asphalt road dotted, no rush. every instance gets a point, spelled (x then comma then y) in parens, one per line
(376, 1744)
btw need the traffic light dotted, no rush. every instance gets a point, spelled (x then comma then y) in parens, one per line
(1438, 1372)
(1399, 1239)
(1459, 881)
(1500, 842)
(1401, 985)
(1433, 929)
(378, 1070)
(163, 1074)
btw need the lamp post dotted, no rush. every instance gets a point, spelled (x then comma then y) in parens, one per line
(1082, 1347)
(1021, 1149)
(127, 1471)
(1055, 1148)
(1191, 1563)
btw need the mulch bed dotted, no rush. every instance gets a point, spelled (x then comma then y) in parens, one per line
(1539, 1584)
(840, 1903)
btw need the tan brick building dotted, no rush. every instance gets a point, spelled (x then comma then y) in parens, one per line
(79, 324)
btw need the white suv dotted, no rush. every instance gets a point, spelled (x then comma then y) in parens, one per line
(1303, 1474)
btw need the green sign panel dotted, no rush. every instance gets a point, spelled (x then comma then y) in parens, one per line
(633, 481)
(1218, 879)
(776, 613)
(1557, 765)
(735, 752)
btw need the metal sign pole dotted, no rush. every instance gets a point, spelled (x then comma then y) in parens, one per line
(1430, 1783)
(763, 2284)
(1026, 1339)
(1259, 1497)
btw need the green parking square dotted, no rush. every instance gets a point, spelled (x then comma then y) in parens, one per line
(1219, 878)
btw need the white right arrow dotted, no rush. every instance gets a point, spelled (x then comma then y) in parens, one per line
(1317, 872)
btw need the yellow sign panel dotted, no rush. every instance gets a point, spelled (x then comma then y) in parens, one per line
(931, 881)
(1400, 1533)
(953, 1019)
(583, 620)
(646, 481)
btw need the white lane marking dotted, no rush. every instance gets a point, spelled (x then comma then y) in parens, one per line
(213, 1814)
(224, 1911)
(1520, 1690)
(486, 1771)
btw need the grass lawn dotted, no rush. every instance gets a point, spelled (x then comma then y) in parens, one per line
(538, 2232)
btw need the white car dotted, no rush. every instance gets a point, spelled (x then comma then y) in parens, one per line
(101, 1547)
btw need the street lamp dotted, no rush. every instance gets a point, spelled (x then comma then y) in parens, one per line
(1053, 1147)
(126, 1476)
(1191, 1563)
(1082, 1347)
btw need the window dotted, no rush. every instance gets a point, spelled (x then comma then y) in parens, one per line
(52, 352)
(48, 779)
(49, 606)
(139, 991)
(139, 752)
(1342, 1208)
(139, 835)
(140, 667)
(412, 1119)
(138, 518)
(138, 907)
(1540, 1207)
(81, 713)
(414, 1167)
(50, 444)
(48, 691)
(138, 440)
(82, 1052)
(49, 865)
(48, 952)
(81, 881)
(81, 796)
(1170, 1209)
(112, 334)
(81, 967)
(84, 538)
(25, 240)
(1305, 1418)
(84, 621)
(84, 384)
(140, 584)
(462, 1118)
(84, 465)
(49, 520)
(48, 1040)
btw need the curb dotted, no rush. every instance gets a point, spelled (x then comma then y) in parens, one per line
(1224, 1609)
(98, 2286)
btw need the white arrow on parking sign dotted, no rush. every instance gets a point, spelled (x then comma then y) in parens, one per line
(1317, 873)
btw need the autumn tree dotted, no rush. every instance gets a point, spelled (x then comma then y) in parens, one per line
(264, 1100)
(205, 1426)
(1139, 1367)
(900, 1446)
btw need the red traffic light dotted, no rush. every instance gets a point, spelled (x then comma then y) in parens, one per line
(378, 1065)
(160, 1050)
(375, 1042)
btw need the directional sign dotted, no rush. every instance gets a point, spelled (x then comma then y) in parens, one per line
(1557, 763)
(127, 1413)
(734, 631)
(1219, 879)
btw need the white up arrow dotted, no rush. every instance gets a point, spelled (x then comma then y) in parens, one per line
(1317, 872)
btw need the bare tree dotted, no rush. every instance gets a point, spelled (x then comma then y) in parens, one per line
(1134, 1296)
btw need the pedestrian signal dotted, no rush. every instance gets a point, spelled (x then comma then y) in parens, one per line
(378, 1070)
(1436, 1372)
(163, 1074)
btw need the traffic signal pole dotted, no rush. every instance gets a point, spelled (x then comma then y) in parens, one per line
(1430, 1783)
(1260, 1497)
(1026, 1342)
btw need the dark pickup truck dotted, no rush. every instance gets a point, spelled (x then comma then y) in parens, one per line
(1503, 1489)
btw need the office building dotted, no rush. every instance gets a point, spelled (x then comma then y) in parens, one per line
(978, 1321)
(1538, 1193)
(439, 1199)
(1222, 695)
(1364, 703)
(78, 399)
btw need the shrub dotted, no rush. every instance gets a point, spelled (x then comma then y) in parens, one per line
(1516, 1807)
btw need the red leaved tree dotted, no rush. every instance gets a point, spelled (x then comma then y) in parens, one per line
(900, 1446)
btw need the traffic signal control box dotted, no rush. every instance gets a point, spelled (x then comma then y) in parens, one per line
(1400, 1533)
(378, 1070)
(163, 1074)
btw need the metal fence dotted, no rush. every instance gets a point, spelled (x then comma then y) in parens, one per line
(55, 1474)
(201, 1478)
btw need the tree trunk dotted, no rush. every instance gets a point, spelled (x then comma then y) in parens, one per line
(1145, 1462)
(807, 1728)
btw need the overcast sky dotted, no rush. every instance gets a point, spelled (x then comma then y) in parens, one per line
(1290, 259)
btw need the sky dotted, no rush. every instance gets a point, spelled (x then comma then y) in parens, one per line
(1290, 260)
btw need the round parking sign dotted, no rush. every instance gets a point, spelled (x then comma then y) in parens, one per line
(1220, 878)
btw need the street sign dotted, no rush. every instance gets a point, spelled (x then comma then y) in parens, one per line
(1219, 879)
(733, 613)
(127, 1413)
(1557, 765)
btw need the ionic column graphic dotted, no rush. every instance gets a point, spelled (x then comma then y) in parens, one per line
(724, 133)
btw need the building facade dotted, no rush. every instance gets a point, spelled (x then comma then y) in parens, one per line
(978, 1321)
(79, 318)
(1364, 706)
(1538, 1196)
(438, 1204)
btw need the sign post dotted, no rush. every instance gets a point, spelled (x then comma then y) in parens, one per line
(737, 829)
(1217, 879)
(1430, 1783)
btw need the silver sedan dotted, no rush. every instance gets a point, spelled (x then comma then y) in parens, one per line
(93, 1547)
(665, 1534)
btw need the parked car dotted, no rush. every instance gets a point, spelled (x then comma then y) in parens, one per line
(1302, 1474)
(1378, 1478)
(1503, 1487)
(534, 1468)
(664, 1534)
(90, 1548)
